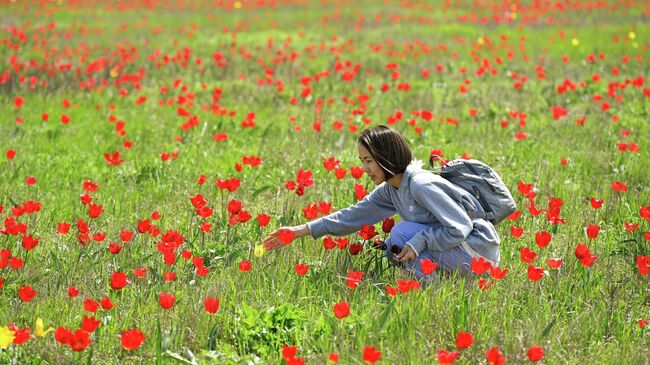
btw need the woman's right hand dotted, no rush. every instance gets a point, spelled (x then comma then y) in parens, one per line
(273, 240)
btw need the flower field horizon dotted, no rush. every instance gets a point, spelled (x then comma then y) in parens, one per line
(147, 148)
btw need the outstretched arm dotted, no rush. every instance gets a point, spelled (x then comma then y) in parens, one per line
(372, 209)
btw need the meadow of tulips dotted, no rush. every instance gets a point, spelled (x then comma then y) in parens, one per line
(148, 147)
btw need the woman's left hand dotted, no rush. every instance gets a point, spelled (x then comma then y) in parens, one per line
(407, 254)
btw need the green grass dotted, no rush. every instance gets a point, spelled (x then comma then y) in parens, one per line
(578, 315)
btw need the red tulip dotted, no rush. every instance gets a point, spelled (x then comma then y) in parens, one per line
(90, 324)
(535, 353)
(554, 263)
(527, 255)
(29, 242)
(342, 242)
(26, 293)
(341, 310)
(330, 163)
(301, 269)
(118, 280)
(643, 264)
(140, 272)
(643, 322)
(245, 266)
(516, 232)
(169, 276)
(107, 303)
(367, 232)
(20, 335)
(289, 352)
(19, 101)
(211, 305)
(391, 291)
(596, 203)
(592, 231)
(484, 284)
(371, 355)
(132, 339)
(263, 220)
(353, 279)
(79, 340)
(543, 239)
(427, 266)
(114, 248)
(286, 236)
(464, 340)
(479, 266)
(355, 249)
(90, 305)
(446, 357)
(62, 335)
(497, 273)
(166, 300)
(619, 186)
(73, 291)
(63, 227)
(585, 256)
(387, 225)
(494, 356)
(535, 273)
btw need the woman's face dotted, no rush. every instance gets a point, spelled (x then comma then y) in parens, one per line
(370, 166)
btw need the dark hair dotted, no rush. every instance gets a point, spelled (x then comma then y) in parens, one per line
(388, 148)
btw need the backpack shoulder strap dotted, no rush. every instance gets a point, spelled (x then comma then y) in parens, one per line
(489, 216)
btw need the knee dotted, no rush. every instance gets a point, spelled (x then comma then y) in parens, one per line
(398, 234)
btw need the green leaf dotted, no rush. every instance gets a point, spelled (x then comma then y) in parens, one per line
(249, 315)
(159, 357)
(261, 190)
(462, 314)
(212, 337)
(179, 358)
(548, 328)
(380, 323)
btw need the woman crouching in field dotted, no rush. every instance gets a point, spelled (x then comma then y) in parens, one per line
(435, 223)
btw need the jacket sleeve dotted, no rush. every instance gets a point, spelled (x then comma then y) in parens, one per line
(375, 207)
(454, 223)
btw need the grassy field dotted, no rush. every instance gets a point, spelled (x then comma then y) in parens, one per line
(122, 120)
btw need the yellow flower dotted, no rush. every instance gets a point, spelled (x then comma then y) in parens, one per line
(631, 35)
(38, 328)
(259, 251)
(6, 337)
(575, 41)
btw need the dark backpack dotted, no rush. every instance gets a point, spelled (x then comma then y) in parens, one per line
(483, 183)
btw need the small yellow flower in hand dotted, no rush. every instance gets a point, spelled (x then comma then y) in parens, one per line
(259, 251)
